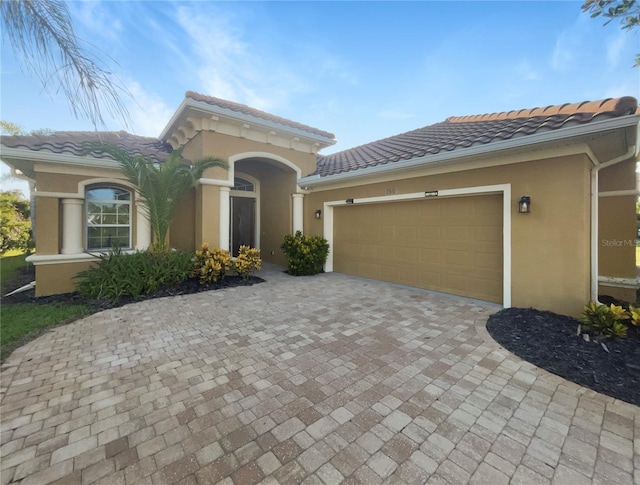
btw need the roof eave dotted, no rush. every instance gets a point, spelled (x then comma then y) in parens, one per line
(460, 155)
(8, 154)
(180, 116)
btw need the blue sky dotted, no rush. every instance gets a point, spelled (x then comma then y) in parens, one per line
(361, 70)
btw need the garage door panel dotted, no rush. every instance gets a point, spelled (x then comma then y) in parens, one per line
(457, 258)
(370, 251)
(457, 207)
(452, 245)
(486, 234)
(429, 234)
(488, 261)
(407, 254)
(431, 256)
(408, 232)
(387, 232)
(456, 233)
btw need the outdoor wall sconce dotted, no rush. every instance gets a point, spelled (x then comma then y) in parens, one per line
(318, 214)
(349, 201)
(524, 204)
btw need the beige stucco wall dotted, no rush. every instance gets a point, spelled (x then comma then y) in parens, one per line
(207, 222)
(52, 279)
(48, 221)
(550, 246)
(208, 143)
(182, 233)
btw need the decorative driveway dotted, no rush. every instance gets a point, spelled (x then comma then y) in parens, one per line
(323, 379)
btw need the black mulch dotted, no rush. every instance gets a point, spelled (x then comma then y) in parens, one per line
(551, 342)
(187, 287)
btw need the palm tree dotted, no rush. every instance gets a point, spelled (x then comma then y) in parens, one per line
(161, 185)
(42, 37)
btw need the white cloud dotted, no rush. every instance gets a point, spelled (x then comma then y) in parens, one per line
(615, 46)
(619, 88)
(245, 62)
(525, 71)
(149, 113)
(229, 67)
(563, 52)
(394, 115)
(92, 19)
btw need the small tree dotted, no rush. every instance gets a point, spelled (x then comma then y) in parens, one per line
(161, 185)
(14, 221)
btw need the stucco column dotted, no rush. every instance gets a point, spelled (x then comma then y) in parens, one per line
(143, 228)
(298, 209)
(72, 224)
(224, 217)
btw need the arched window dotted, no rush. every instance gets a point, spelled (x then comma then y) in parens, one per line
(108, 218)
(242, 185)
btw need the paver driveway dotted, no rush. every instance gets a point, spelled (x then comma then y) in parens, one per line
(315, 380)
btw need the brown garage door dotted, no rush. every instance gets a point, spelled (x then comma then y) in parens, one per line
(453, 245)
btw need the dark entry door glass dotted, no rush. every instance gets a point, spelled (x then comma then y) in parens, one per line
(243, 221)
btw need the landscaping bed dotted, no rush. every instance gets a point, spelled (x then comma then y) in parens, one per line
(551, 341)
(188, 286)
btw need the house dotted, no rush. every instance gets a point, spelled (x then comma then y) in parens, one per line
(435, 208)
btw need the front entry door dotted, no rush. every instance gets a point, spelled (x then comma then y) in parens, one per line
(243, 223)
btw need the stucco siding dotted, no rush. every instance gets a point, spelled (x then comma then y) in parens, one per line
(183, 231)
(58, 278)
(224, 146)
(48, 223)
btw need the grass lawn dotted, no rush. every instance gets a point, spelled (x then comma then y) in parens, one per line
(10, 263)
(21, 322)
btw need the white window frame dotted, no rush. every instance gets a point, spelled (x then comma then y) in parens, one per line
(88, 201)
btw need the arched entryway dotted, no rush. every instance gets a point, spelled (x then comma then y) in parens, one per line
(263, 202)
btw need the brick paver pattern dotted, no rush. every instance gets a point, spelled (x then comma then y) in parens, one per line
(325, 379)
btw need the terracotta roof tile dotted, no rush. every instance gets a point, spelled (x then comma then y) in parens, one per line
(74, 143)
(466, 131)
(247, 110)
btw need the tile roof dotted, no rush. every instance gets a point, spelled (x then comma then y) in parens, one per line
(74, 143)
(461, 132)
(247, 110)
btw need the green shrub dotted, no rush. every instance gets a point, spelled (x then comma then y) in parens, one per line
(306, 254)
(120, 275)
(605, 321)
(248, 259)
(210, 265)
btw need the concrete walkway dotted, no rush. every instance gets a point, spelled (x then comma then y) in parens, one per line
(323, 379)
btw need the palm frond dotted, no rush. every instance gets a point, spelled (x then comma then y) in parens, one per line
(160, 186)
(43, 38)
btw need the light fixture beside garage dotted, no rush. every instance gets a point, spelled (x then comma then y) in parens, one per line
(524, 204)
(349, 201)
(318, 214)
